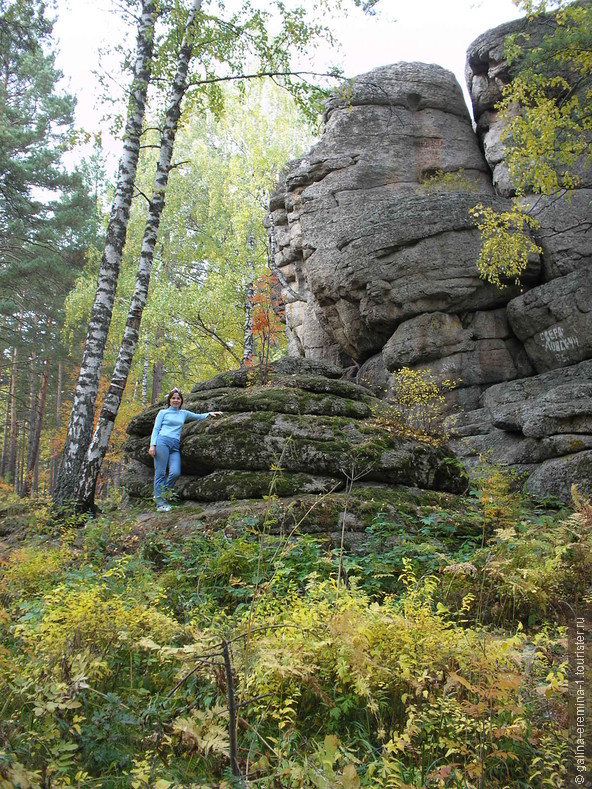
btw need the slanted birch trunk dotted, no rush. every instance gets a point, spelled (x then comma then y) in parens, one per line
(80, 426)
(85, 492)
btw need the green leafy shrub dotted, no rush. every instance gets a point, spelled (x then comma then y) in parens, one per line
(416, 405)
(436, 661)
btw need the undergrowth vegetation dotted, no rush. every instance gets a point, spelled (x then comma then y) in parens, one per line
(432, 656)
(415, 405)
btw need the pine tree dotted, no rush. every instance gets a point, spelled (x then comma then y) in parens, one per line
(43, 211)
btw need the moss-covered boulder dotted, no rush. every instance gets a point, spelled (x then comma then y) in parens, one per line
(302, 432)
(231, 484)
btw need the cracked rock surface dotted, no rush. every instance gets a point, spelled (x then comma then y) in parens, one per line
(303, 432)
(377, 250)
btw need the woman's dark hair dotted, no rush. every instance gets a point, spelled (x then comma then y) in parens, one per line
(172, 392)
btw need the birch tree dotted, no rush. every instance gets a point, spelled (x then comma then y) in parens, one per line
(84, 495)
(223, 46)
(79, 433)
(193, 323)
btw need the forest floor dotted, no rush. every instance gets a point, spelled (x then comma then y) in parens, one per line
(385, 637)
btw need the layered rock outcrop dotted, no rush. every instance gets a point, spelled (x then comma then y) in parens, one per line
(305, 432)
(543, 423)
(372, 226)
(372, 234)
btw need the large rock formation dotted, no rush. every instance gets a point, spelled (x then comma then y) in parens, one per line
(306, 432)
(372, 226)
(372, 234)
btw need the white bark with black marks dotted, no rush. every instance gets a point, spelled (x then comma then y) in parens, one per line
(79, 432)
(85, 492)
(248, 338)
(145, 370)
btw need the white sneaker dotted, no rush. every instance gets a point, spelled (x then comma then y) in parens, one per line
(163, 507)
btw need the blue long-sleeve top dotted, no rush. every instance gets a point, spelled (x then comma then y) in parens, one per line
(169, 421)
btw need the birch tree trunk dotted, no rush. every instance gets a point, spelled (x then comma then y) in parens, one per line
(145, 371)
(85, 492)
(248, 338)
(80, 426)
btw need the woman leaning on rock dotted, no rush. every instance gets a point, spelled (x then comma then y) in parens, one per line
(165, 445)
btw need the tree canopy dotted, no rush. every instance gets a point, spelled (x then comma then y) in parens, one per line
(553, 87)
(40, 202)
(212, 240)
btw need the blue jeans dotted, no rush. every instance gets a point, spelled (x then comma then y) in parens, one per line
(167, 456)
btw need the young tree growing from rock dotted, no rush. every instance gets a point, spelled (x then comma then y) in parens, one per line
(548, 134)
(266, 325)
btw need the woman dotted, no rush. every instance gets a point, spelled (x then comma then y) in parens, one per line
(164, 445)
